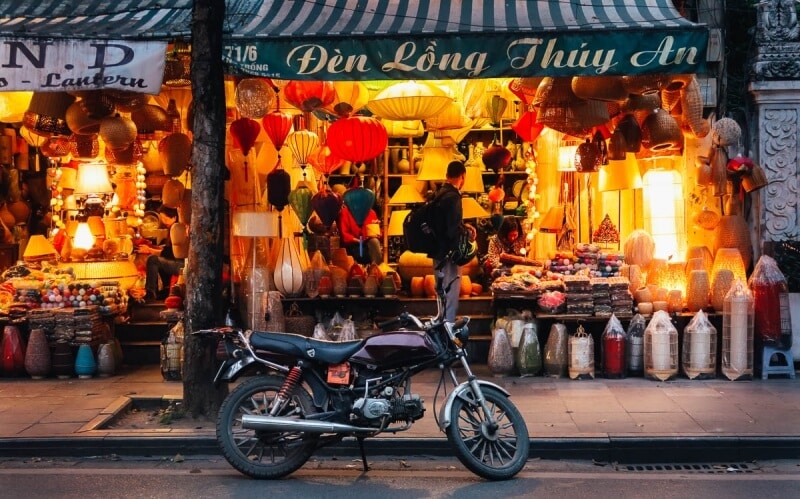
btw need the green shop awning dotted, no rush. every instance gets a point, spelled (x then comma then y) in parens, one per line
(358, 39)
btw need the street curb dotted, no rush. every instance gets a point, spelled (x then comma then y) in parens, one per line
(630, 450)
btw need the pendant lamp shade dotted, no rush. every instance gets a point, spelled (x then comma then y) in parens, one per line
(277, 125)
(357, 138)
(92, 179)
(409, 100)
(253, 97)
(278, 187)
(620, 175)
(526, 126)
(245, 132)
(473, 181)
(350, 97)
(38, 247)
(629, 128)
(327, 205)
(323, 160)
(396, 222)
(471, 209)
(302, 143)
(308, 96)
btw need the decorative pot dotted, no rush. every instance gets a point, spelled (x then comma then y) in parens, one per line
(85, 364)
(12, 348)
(106, 364)
(37, 355)
(63, 365)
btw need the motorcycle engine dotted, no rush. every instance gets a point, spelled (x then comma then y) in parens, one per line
(407, 407)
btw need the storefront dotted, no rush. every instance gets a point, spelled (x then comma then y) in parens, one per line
(538, 78)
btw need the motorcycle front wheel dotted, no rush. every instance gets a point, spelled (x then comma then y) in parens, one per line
(492, 451)
(261, 454)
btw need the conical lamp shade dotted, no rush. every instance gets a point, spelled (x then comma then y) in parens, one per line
(471, 209)
(620, 175)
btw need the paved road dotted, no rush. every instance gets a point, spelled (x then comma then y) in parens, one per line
(211, 477)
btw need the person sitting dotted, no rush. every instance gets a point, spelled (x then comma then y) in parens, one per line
(508, 241)
(362, 242)
(161, 263)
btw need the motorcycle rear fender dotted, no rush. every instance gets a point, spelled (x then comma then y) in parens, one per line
(444, 414)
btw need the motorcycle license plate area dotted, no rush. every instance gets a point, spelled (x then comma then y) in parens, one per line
(339, 374)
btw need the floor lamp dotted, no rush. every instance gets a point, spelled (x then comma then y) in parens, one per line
(255, 277)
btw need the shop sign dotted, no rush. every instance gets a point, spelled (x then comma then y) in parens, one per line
(494, 55)
(50, 65)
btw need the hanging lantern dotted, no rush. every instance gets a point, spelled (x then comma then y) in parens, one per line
(300, 201)
(495, 107)
(117, 132)
(324, 161)
(630, 129)
(175, 152)
(244, 132)
(278, 187)
(302, 143)
(357, 138)
(588, 158)
(526, 126)
(327, 205)
(496, 157)
(524, 88)
(409, 100)
(288, 275)
(359, 201)
(350, 97)
(309, 95)
(253, 97)
(277, 125)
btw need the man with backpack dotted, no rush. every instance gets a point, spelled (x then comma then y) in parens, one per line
(456, 239)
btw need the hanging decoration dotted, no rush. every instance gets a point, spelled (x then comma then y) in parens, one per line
(302, 143)
(327, 205)
(278, 187)
(253, 97)
(309, 96)
(359, 200)
(526, 126)
(300, 201)
(409, 100)
(357, 138)
(277, 126)
(244, 132)
(350, 97)
(324, 161)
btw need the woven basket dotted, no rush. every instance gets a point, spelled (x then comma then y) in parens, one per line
(175, 151)
(127, 101)
(692, 109)
(151, 118)
(80, 122)
(660, 131)
(117, 131)
(719, 171)
(297, 322)
(154, 183)
(631, 131)
(755, 179)
(726, 132)
(605, 88)
(84, 146)
(733, 232)
(644, 84)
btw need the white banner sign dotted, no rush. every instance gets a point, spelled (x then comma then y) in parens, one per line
(56, 65)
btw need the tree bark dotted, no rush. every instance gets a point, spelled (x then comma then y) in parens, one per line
(204, 306)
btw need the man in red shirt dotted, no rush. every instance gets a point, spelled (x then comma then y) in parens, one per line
(362, 243)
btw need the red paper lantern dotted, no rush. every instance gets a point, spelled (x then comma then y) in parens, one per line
(277, 125)
(309, 95)
(526, 126)
(244, 132)
(357, 138)
(324, 161)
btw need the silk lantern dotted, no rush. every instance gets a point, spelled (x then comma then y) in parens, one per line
(244, 132)
(277, 125)
(350, 97)
(309, 95)
(324, 161)
(278, 187)
(300, 201)
(526, 126)
(302, 143)
(359, 201)
(327, 205)
(409, 100)
(253, 97)
(357, 138)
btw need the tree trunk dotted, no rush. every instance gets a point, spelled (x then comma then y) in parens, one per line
(204, 266)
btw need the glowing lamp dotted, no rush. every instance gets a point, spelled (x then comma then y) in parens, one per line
(664, 212)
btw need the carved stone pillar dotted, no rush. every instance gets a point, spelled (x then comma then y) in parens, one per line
(775, 87)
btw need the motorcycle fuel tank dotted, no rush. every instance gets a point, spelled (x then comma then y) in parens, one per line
(395, 349)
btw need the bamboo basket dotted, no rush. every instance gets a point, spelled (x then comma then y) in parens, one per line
(297, 322)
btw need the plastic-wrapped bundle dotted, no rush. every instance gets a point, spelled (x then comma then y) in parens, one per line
(555, 352)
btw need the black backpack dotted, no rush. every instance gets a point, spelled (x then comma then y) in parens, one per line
(419, 229)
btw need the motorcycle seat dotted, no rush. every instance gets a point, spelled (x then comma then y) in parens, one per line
(329, 352)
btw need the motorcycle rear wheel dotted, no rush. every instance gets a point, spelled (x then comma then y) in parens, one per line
(492, 453)
(261, 454)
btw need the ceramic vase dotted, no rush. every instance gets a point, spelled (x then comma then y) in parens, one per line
(106, 364)
(63, 361)
(389, 286)
(37, 355)
(325, 286)
(13, 350)
(370, 286)
(501, 359)
(85, 364)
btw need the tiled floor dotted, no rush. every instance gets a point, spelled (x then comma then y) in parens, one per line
(553, 408)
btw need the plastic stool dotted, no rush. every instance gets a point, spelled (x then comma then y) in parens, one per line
(785, 367)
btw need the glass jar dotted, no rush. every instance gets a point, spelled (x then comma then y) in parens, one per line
(738, 318)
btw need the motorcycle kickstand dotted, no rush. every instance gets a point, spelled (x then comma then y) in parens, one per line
(363, 453)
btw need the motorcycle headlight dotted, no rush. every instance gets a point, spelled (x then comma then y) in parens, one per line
(462, 335)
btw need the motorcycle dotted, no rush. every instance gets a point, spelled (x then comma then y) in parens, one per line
(310, 393)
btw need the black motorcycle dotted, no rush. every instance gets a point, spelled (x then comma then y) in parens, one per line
(309, 393)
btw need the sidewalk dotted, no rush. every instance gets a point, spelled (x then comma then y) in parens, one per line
(627, 420)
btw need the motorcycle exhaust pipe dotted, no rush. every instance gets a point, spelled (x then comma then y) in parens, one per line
(269, 423)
